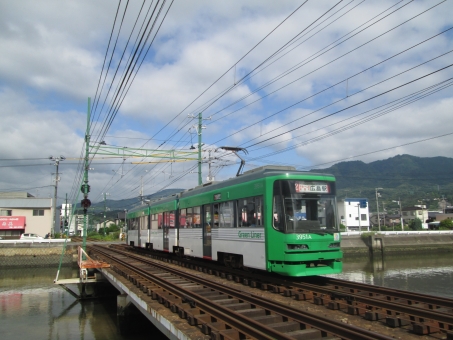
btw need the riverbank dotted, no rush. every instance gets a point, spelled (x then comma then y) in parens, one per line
(396, 244)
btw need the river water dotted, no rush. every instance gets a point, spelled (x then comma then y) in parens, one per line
(31, 306)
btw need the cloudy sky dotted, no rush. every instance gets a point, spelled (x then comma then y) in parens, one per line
(306, 84)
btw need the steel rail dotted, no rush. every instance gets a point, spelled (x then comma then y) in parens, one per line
(389, 305)
(252, 328)
(414, 310)
(325, 324)
(418, 297)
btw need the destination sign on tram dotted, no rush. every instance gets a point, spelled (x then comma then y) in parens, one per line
(320, 188)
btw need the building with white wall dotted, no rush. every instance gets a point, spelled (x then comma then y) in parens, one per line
(21, 212)
(67, 215)
(416, 211)
(354, 214)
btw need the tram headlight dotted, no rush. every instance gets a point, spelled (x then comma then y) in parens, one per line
(334, 245)
(297, 246)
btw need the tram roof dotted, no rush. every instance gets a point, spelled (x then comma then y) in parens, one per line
(257, 173)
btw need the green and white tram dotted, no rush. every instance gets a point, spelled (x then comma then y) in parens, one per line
(271, 218)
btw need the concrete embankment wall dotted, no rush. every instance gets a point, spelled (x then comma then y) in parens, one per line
(396, 244)
(35, 255)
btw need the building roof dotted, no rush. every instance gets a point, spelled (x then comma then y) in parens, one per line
(413, 208)
(27, 203)
(15, 194)
(348, 199)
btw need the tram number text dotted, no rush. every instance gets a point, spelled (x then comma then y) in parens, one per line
(303, 237)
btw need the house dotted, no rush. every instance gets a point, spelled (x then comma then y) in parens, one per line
(21, 212)
(354, 214)
(416, 211)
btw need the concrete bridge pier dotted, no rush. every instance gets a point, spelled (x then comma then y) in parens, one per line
(124, 313)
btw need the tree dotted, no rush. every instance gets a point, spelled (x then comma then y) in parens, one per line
(446, 224)
(415, 224)
(112, 228)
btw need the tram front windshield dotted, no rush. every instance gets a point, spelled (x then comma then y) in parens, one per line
(304, 207)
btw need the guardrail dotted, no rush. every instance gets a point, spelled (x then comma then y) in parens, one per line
(412, 232)
(44, 240)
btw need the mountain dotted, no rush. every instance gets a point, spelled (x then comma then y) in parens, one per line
(409, 179)
(416, 180)
(115, 206)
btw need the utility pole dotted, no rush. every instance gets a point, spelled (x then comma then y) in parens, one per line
(358, 214)
(105, 209)
(199, 129)
(65, 223)
(141, 188)
(57, 163)
(125, 223)
(86, 203)
(401, 213)
(377, 205)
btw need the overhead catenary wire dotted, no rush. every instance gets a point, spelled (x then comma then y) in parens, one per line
(176, 139)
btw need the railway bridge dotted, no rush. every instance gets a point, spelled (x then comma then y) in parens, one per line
(192, 300)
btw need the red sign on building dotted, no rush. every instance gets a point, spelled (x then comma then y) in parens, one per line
(12, 222)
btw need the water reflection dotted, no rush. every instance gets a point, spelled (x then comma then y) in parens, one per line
(427, 274)
(31, 306)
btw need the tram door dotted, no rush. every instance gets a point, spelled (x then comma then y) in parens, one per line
(166, 228)
(207, 225)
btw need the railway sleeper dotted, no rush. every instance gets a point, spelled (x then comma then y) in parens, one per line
(213, 327)
(357, 309)
(252, 312)
(228, 334)
(185, 310)
(225, 302)
(181, 309)
(423, 328)
(156, 292)
(305, 334)
(192, 315)
(285, 326)
(373, 315)
(239, 306)
(303, 295)
(395, 322)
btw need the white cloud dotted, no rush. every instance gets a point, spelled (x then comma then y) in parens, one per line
(53, 52)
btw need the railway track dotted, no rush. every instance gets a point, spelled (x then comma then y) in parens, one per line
(419, 313)
(224, 312)
(80, 239)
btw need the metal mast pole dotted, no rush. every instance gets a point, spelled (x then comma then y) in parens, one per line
(65, 223)
(54, 203)
(377, 205)
(200, 127)
(57, 163)
(105, 209)
(85, 187)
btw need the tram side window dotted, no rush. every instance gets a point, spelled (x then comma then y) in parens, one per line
(189, 218)
(196, 217)
(160, 220)
(133, 224)
(216, 215)
(170, 219)
(226, 214)
(154, 222)
(250, 212)
(183, 218)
